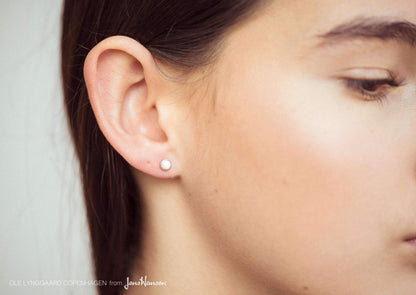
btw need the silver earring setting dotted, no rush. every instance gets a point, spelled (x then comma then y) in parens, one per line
(165, 164)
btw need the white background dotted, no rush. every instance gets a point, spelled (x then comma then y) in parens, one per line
(43, 230)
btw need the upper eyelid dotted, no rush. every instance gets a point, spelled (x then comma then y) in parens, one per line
(354, 83)
(372, 80)
(371, 73)
(393, 82)
(367, 73)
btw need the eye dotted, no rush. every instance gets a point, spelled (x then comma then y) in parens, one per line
(376, 89)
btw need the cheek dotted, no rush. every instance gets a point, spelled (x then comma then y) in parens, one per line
(288, 179)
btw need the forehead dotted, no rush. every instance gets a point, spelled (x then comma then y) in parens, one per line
(310, 17)
(294, 27)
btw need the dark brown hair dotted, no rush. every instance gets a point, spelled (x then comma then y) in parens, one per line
(181, 33)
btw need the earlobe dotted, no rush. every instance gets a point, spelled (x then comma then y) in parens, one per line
(124, 85)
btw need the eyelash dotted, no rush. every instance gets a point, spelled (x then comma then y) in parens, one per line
(359, 85)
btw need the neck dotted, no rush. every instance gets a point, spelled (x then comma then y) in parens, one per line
(178, 257)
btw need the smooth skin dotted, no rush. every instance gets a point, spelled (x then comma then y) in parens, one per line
(284, 180)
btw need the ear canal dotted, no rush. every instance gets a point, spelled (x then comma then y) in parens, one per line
(137, 118)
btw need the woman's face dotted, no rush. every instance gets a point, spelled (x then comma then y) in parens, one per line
(303, 173)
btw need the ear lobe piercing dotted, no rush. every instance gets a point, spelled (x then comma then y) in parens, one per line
(165, 164)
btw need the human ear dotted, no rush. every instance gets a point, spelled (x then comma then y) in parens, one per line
(125, 89)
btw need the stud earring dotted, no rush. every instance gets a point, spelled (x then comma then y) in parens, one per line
(165, 164)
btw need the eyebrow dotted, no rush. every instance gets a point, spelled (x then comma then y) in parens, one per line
(371, 28)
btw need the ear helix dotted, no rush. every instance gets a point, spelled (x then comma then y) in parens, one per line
(165, 164)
